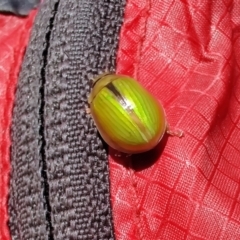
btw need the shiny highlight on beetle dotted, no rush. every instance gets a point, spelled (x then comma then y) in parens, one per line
(127, 116)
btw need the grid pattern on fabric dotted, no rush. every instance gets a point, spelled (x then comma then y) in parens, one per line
(187, 54)
(59, 183)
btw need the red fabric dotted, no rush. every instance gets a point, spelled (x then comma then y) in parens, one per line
(187, 53)
(14, 34)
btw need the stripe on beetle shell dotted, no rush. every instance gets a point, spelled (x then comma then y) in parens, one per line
(100, 77)
(146, 134)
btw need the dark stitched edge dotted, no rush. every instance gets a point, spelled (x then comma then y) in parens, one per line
(42, 123)
(57, 152)
(27, 203)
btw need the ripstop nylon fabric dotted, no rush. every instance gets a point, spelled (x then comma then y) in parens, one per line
(187, 54)
(14, 34)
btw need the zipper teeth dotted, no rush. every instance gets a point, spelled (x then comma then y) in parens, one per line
(42, 125)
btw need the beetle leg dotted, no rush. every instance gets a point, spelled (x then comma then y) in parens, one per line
(120, 154)
(87, 110)
(174, 132)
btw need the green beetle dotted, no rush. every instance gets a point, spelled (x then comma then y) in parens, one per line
(126, 115)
